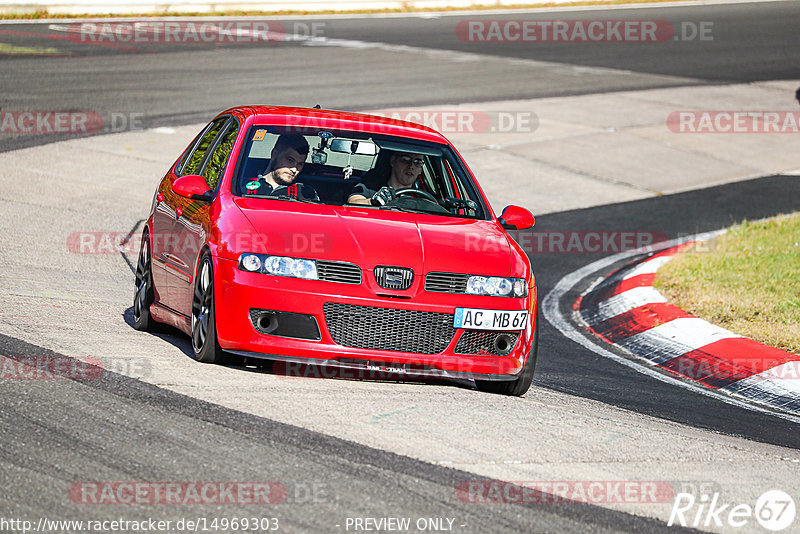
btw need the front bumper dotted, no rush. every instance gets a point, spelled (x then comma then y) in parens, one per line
(239, 292)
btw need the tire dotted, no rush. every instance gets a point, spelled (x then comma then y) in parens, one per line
(522, 383)
(143, 293)
(204, 325)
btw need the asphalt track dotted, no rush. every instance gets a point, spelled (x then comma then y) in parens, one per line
(117, 428)
(133, 431)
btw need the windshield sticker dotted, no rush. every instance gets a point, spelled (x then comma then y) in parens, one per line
(252, 186)
(259, 136)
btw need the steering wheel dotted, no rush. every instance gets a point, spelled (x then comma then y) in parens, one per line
(416, 192)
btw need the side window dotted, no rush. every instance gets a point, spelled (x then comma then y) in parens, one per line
(196, 158)
(216, 164)
(453, 186)
(431, 178)
(428, 177)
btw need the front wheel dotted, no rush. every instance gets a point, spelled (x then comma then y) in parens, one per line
(143, 295)
(522, 383)
(204, 325)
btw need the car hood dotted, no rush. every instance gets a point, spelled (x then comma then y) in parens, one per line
(370, 237)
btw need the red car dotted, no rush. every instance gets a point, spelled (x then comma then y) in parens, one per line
(289, 234)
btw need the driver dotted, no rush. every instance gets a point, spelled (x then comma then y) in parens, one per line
(405, 169)
(287, 160)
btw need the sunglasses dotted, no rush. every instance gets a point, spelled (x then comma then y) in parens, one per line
(408, 160)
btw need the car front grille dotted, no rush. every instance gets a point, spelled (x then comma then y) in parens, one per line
(397, 278)
(338, 271)
(446, 282)
(482, 343)
(367, 327)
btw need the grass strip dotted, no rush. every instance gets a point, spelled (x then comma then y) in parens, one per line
(746, 280)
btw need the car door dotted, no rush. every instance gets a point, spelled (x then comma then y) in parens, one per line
(170, 272)
(193, 224)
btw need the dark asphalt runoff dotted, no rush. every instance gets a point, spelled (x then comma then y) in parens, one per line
(117, 428)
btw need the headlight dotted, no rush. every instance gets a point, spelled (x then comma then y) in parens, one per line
(304, 269)
(250, 262)
(497, 286)
(475, 285)
(279, 265)
(520, 288)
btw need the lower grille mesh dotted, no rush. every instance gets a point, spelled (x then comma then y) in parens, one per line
(481, 342)
(366, 327)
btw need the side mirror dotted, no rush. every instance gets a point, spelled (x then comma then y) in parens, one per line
(193, 187)
(516, 218)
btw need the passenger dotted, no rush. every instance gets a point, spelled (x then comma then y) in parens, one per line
(404, 169)
(287, 160)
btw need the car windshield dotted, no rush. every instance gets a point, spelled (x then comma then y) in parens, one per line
(343, 167)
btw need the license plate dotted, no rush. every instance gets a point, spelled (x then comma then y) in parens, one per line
(477, 319)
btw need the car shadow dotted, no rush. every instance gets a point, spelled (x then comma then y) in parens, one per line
(291, 370)
(170, 334)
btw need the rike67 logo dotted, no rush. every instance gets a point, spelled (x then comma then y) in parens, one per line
(774, 510)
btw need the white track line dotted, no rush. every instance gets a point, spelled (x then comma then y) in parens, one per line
(469, 57)
(565, 69)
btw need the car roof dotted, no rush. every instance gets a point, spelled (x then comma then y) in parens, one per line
(337, 120)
